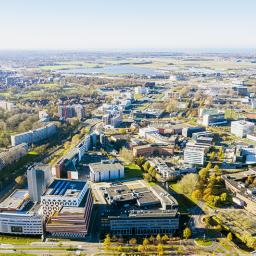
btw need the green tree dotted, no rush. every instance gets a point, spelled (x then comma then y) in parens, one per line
(187, 233)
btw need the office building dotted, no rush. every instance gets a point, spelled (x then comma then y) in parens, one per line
(19, 216)
(63, 193)
(151, 211)
(106, 171)
(242, 128)
(71, 221)
(153, 149)
(214, 119)
(68, 162)
(194, 155)
(39, 177)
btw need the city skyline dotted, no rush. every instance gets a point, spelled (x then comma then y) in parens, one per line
(150, 25)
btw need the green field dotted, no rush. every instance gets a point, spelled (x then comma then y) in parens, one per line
(132, 171)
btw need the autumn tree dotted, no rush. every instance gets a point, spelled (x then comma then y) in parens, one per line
(229, 237)
(133, 241)
(107, 241)
(187, 233)
(188, 183)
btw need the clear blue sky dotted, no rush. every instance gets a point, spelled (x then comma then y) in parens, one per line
(124, 24)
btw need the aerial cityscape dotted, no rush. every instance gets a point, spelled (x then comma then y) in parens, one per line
(108, 147)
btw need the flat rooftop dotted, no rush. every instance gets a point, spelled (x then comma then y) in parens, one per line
(101, 167)
(15, 201)
(65, 188)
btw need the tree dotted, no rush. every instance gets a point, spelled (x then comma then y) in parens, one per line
(203, 174)
(197, 194)
(67, 145)
(107, 241)
(229, 237)
(145, 242)
(160, 249)
(133, 241)
(188, 183)
(75, 139)
(165, 238)
(158, 238)
(151, 239)
(19, 180)
(212, 156)
(140, 161)
(209, 166)
(147, 177)
(146, 166)
(126, 154)
(187, 233)
(141, 248)
(223, 197)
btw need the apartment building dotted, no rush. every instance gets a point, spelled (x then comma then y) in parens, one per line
(34, 136)
(13, 154)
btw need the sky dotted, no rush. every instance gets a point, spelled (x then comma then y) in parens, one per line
(127, 24)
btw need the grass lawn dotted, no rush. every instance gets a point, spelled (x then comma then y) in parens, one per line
(203, 242)
(132, 171)
(18, 240)
(184, 201)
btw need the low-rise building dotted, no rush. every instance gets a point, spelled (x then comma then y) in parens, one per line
(106, 171)
(214, 119)
(151, 211)
(19, 216)
(63, 193)
(242, 128)
(153, 149)
(71, 221)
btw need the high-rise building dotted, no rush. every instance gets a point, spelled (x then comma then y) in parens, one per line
(38, 177)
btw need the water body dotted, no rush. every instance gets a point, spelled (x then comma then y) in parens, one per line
(113, 70)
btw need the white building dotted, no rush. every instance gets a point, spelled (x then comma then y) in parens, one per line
(242, 128)
(213, 119)
(144, 131)
(34, 135)
(19, 217)
(194, 155)
(6, 105)
(63, 193)
(141, 90)
(106, 171)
